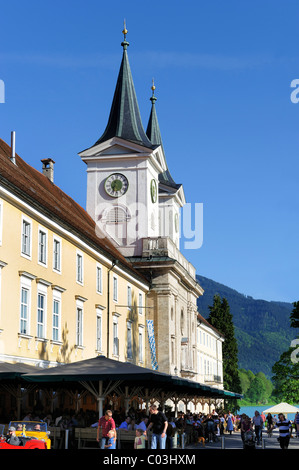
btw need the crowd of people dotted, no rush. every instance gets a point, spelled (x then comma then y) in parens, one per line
(193, 427)
(254, 427)
(168, 431)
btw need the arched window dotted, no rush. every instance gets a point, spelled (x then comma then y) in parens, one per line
(117, 215)
(115, 221)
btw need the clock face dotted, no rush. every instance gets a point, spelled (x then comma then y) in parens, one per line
(116, 185)
(154, 190)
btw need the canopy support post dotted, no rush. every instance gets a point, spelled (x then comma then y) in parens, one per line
(127, 399)
(101, 399)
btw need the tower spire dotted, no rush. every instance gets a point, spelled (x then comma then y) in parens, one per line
(154, 135)
(125, 44)
(124, 119)
(153, 129)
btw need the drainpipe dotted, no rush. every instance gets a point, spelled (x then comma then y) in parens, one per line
(13, 147)
(114, 262)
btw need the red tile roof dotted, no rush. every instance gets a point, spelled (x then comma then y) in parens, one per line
(203, 320)
(51, 199)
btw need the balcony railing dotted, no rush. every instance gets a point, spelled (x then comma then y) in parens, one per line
(212, 379)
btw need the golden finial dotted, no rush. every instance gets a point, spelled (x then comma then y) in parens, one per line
(125, 31)
(153, 98)
(125, 42)
(153, 85)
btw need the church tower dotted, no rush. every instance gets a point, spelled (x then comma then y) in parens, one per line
(130, 192)
(133, 198)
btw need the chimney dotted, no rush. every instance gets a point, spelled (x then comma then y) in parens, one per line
(48, 168)
(13, 147)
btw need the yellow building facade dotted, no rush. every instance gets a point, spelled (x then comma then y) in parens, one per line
(65, 294)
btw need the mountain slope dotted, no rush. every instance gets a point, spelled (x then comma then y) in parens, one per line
(262, 328)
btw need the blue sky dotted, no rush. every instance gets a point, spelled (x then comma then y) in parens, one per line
(222, 72)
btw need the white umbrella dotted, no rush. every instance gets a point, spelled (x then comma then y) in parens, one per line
(282, 408)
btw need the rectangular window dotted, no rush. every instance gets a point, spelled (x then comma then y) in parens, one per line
(79, 329)
(26, 238)
(140, 303)
(129, 296)
(57, 255)
(99, 331)
(129, 340)
(24, 311)
(56, 320)
(40, 315)
(115, 289)
(115, 337)
(140, 338)
(99, 280)
(79, 268)
(42, 247)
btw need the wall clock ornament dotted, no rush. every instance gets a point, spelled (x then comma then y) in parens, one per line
(116, 185)
(154, 191)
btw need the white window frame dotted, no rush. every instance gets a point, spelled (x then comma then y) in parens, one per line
(79, 268)
(80, 322)
(40, 254)
(56, 315)
(115, 288)
(25, 306)
(141, 343)
(140, 302)
(129, 296)
(115, 348)
(99, 329)
(129, 340)
(28, 222)
(26, 285)
(59, 242)
(41, 325)
(99, 278)
(79, 326)
(41, 315)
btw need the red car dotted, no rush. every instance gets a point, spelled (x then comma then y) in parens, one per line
(30, 435)
(27, 443)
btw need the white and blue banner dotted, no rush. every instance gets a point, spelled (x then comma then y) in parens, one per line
(152, 343)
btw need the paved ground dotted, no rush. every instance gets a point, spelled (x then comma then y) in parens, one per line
(234, 441)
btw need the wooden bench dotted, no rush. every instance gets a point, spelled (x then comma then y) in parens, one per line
(87, 436)
(55, 436)
(125, 438)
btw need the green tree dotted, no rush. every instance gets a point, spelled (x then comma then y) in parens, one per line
(257, 390)
(260, 389)
(244, 380)
(221, 318)
(295, 315)
(286, 370)
(267, 383)
(285, 378)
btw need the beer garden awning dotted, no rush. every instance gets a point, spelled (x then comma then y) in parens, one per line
(102, 376)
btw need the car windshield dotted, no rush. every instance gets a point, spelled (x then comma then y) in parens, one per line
(30, 426)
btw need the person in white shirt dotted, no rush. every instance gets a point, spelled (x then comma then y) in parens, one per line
(258, 422)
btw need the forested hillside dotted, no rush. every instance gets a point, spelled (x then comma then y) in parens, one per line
(262, 328)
